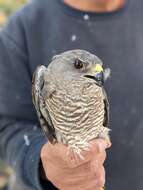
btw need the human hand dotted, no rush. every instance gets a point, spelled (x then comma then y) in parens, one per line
(68, 173)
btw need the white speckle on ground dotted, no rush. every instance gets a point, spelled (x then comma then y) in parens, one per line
(53, 52)
(26, 139)
(86, 17)
(35, 127)
(14, 163)
(125, 123)
(132, 143)
(133, 110)
(73, 38)
(18, 97)
(123, 141)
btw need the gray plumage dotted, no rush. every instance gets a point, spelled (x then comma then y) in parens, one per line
(70, 100)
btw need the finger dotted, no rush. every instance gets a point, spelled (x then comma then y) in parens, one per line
(101, 177)
(65, 155)
(62, 152)
(74, 160)
(58, 150)
(96, 147)
(102, 157)
(97, 162)
(99, 145)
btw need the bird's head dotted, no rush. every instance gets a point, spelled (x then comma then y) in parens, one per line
(78, 63)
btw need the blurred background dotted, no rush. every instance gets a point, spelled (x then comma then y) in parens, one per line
(7, 7)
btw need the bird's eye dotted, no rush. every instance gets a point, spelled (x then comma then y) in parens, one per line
(78, 64)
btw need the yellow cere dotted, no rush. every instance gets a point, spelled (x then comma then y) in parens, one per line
(98, 68)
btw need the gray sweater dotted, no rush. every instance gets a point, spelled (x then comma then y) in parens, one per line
(32, 36)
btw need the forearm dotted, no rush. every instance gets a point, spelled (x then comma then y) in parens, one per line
(20, 145)
(20, 141)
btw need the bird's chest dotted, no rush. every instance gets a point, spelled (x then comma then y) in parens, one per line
(75, 105)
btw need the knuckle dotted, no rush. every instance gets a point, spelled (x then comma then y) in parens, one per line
(56, 181)
(104, 156)
(101, 177)
(43, 151)
(43, 156)
(101, 181)
(100, 146)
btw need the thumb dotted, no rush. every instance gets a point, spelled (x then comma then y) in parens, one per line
(99, 145)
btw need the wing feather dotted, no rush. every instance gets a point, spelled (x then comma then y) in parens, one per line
(106, 107)
(38, 101)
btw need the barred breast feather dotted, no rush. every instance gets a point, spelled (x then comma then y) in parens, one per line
(77, 112)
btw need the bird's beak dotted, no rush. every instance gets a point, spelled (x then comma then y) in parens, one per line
(96, 73)
(97, 68)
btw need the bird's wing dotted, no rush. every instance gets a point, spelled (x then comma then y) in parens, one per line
(106, 107)
(42, 111)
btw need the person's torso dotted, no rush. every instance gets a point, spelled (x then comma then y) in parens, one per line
(117, 39)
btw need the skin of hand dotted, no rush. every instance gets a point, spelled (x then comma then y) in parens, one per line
(68, 172)
(96, 5)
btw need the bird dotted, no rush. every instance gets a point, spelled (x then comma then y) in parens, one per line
(70, 99)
